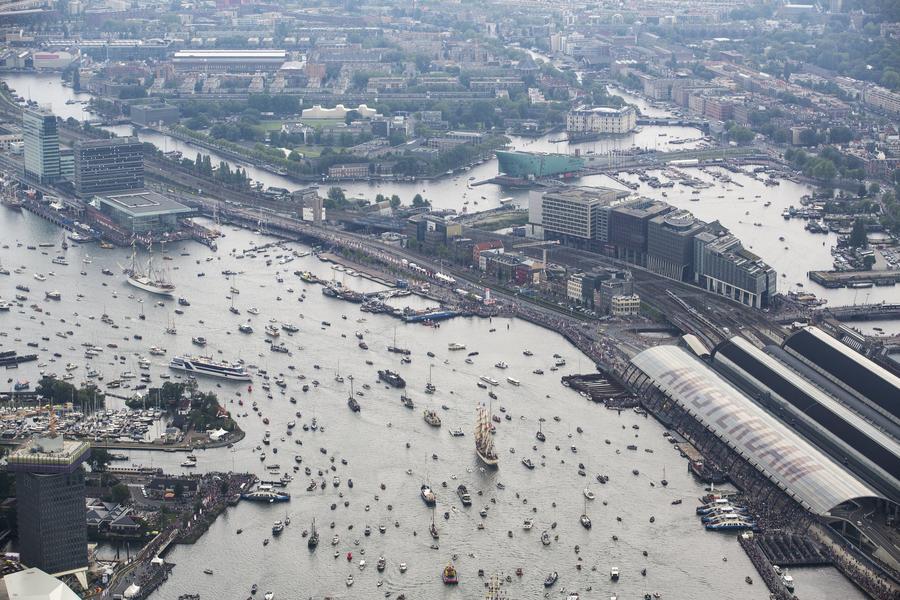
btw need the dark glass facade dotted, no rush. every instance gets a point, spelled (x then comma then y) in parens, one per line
(104, 166)
(52, 529)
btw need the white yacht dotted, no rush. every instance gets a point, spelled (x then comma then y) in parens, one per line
(206, 366)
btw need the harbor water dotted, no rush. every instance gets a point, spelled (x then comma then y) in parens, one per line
(683, 560)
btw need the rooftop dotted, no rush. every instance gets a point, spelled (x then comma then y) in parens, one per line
(586, 194)
(51, 454)
(34, 584)
(643, 208)
(608, 110)
(803, 471)
(116, 141)
(143, 203)
(253, 54)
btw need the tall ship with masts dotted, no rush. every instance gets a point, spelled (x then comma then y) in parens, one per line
(149, 280)
(484, 441)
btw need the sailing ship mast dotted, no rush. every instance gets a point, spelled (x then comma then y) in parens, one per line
(484, 442)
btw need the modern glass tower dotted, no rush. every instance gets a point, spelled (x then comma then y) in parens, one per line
(41, 137)
(50, 499)
(104, 166)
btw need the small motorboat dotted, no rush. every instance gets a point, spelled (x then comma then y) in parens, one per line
(551, 579)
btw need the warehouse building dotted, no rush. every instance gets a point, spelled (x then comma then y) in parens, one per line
(229, 61)
(142, 212)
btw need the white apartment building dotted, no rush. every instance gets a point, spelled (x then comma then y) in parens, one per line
(601, 119)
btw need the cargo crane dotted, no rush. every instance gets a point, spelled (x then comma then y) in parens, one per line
(543, 245)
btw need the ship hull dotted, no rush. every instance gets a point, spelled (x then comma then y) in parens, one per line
(149, 287)
(490, 462)
(200, 371)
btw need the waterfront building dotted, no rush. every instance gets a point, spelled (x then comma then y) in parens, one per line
(820, 412)
(531, 165)
(50, 499)
(428, 232)
(142, 211)
(758, 412)
(349, 171)
(576, 216)
(586, 120)
(66, 164)
(629, 224)
(683, 388)
(722, 265)
(670, 244)
(103, 166)
(40, 134)
(153, 114)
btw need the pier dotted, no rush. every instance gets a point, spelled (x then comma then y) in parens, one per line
(863, 312)
(855, 279)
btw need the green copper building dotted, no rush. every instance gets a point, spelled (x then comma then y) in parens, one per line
(536, 164)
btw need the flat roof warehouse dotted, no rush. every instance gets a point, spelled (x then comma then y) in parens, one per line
(796, 466)
(144, 204)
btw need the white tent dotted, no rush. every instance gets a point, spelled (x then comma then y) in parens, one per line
(34, 584)
(217, 435)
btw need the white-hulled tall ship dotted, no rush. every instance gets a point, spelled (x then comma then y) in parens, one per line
(484, 442)
(204, 365)
(148, 281)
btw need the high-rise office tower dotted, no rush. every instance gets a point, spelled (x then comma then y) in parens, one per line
(40, 134)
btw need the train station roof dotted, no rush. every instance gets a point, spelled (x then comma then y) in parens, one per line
(849, 368)
(854, 433)
(805, 473)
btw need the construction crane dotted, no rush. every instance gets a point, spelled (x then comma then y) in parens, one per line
(543, 245)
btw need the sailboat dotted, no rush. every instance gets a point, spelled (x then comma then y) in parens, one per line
(313, 540)
(429, 387)
(170, 328)
(337, 374)
(484, 442)
(395, 348)
(585, 520)
(433, 529)
(232, 308)
(148, 281)
(3, 270)
(664, 481)
(540, 434)
(351, 400)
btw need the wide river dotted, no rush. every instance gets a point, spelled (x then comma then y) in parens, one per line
(683, 560)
